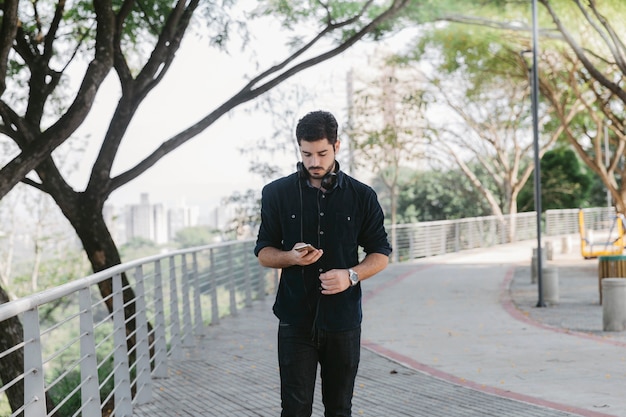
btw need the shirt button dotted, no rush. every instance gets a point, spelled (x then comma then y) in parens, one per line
(293, 216)
(320, 270)
(321, 232)
(322, 214)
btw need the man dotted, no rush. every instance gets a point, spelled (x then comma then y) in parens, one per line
(318, 303)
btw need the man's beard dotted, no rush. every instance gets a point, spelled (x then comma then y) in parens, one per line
(323, 174)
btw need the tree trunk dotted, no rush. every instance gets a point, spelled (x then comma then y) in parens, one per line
(88, 222)
(84, 212)
(12, 365)
(85, 216)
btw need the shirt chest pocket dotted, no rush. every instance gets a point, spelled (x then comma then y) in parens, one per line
(292, 229)
(347, 228)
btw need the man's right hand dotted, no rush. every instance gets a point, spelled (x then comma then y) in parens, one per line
(305, 256)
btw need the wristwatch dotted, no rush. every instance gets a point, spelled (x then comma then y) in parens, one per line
(354, 277)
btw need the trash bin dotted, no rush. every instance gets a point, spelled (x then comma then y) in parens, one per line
(613, 266)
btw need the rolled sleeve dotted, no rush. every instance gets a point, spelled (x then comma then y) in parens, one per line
(270, 230)
(373, 237)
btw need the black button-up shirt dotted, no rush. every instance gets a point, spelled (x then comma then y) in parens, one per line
(337, 221)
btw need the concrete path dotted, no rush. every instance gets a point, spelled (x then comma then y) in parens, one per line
(457, 335)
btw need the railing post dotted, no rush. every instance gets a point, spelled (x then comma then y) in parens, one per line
(261, 284)
(197, 306)
(123, 399)
(215, 309)
(175, 348)
(443, 235)
(231, 282)
(395, 255)
(187, 327)
(481, 233)
(142, 346)
(34, 392)
(160, 344)
(248, 275)
(90, 388)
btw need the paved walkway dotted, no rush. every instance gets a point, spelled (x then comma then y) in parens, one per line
(457, 335)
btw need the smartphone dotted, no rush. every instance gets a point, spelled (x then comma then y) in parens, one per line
(304, 247)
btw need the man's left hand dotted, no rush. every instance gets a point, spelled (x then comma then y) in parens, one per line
(335, 281)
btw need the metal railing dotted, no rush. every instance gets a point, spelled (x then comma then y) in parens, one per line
(80, 357)
(563, 222)
(419, 240)
(83, 358)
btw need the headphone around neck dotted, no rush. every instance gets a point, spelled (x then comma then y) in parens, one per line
(329, 181)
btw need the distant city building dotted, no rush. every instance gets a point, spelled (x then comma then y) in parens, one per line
(221, 217)
(144, 220)
(156, 223)
(160, 224)
(181, 217)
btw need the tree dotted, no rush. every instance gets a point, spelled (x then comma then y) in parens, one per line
(387, 126)
(38, 45)
(38, 249)
(439, 194)
(247, 216)
(481, 86)
(564, 182)
(583, 70)
(596, 66)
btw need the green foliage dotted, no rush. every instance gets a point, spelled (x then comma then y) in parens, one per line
(437, 195)
(72, 265)
(71, 381)
(138, 247)
(347, 16)
(53, 270)
(597, 191)
(5, 408)
(247, 211)
(195, 236)
(474, 53)
(565, 183)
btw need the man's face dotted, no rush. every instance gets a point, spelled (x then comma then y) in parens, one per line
(318, 157)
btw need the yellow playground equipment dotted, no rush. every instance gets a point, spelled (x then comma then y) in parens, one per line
(612, 245)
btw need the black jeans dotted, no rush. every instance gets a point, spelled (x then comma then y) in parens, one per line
(338, 354)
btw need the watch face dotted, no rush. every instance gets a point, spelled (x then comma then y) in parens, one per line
(354, 277)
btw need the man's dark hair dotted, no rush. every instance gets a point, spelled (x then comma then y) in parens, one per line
(317, 125)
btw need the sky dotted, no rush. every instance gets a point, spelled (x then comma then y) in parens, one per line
(210, 166)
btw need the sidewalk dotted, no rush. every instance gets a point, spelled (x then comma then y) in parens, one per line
(442, 337)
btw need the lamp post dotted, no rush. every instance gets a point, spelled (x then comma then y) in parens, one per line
(537, 171)
(606, 159)
(533, 79)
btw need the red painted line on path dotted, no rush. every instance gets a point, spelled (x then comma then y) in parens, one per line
(436, 373)
(509, 307)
